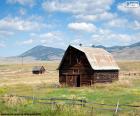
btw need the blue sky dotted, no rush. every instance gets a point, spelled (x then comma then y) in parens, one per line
(58, 23)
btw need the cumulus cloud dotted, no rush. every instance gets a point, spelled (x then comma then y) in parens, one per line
(136, 25)
(22, 11)
(83, 10)
(2, 45)
(105, 36)
(133, 12)
(123, 23)
(104, 16)
(50, 37)
(4, 33)
(18, 24)
(118, 22)
(77, 6)
(30, 3)
(27, 42)
(87, 27)
(54, 39)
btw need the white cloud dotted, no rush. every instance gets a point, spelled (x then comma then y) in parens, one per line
(87, 27)
(104, 16)
(122, 23)
(86, 17)
(83, 10)
(77, 6)
(118, 22)
(50, 37)
(33, 34)
(30, 3)
(2, 45)
(36, 18)
(133, 12)
(4, 33)
(27, 42)
(22, 11)
(76, 41)
(107, 37)
(54, 39)
(135, 25)
(18, 24)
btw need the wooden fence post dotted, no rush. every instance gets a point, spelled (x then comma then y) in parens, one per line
(73, 102)
(53, 102)
(117, 107)
(82, 103)
(33, 99)
(92, 111)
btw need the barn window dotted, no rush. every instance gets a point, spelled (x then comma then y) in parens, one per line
(98, 77)
(78, 58)
(70, 59)
(75, 71)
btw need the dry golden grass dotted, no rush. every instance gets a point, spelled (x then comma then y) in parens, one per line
(18, 74)
(13, 100)
(133, 66)
(14, 74)
(22, 74)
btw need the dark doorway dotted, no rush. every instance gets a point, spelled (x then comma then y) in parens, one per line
(78, 80)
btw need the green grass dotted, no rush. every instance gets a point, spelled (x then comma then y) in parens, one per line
(16, 79)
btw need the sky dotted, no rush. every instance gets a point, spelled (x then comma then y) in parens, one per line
(58, 23)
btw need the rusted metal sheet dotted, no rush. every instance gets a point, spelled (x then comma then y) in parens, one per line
(98, 58)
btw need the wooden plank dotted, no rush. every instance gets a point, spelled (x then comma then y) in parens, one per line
(117, 107)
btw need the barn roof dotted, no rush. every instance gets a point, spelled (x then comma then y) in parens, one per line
(98, 58)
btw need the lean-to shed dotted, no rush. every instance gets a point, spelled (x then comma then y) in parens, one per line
(87, 65)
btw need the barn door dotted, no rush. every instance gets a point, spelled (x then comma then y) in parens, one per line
(71, 80)
(78, 81)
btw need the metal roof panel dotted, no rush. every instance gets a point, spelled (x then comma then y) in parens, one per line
(98, 58)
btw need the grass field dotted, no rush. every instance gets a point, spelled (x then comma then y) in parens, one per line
(17, 79)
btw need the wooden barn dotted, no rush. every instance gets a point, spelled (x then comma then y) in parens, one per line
(86, 65)
(38, 70)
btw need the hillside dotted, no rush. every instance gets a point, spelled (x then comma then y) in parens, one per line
(130, 52)
(44, 53)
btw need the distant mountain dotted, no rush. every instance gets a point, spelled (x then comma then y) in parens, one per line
(116, 48)
(44, 53)
(130, 52)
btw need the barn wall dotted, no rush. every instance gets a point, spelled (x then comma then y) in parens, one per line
(84, 79)
(75, 64)
(105, 76)
(90, 78)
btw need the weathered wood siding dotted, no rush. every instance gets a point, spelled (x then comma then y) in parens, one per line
(75, 64)
(102, 76)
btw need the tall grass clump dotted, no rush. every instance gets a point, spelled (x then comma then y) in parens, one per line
(11, 100)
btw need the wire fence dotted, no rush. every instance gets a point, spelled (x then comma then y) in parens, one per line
(130, 73)
(115, 108)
